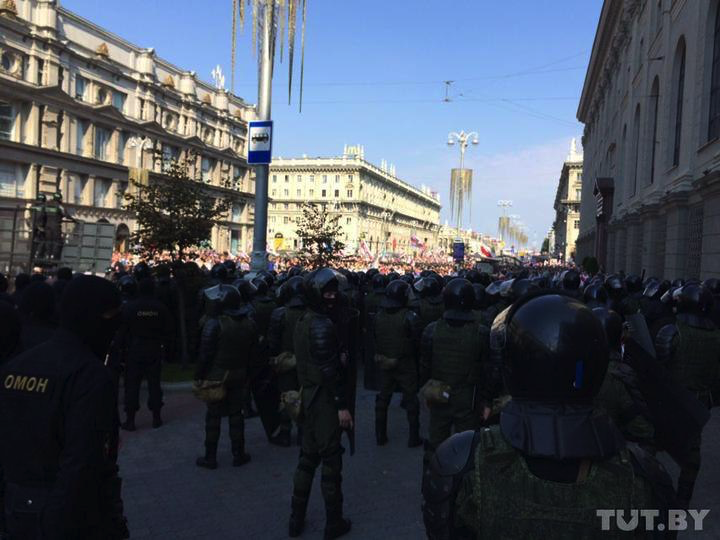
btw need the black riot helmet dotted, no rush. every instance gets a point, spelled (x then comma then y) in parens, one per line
(230, 267)
(513, 289)
(553, 349)
(141, 271)
(693, 299)
(678, 282)
(614, 286)
(613, 326)
(408, 278)
(392, 276)
(127, 286)
(571, 280)
(295, 271)
(266, 276)
(712, 285)
(223, 299)
(292, 292)
(493, 290)
(480, 298)
(322, 287)
(459, 299)
(595, 295)
(379, 282)
(396, 294)
(246, 289)
(656, 289)
(219, 272)
(473, 276)
(428, 286)
(261, 285)
(633, 283)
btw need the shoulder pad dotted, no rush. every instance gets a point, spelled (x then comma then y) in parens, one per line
(648, 467)
(454, 456)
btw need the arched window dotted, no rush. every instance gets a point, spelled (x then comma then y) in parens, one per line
(654, 102)
(636, 151)
(714, 120)
(679, 78)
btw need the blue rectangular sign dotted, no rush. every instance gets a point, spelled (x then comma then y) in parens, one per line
(260, 142)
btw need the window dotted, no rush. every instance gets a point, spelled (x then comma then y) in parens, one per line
(286, 206)
(82, 128)
(654, 103)
(286, 220)
(324, 178)
(348, 221)
(274, 178)
(274, 192)
(7, 120)
(170, 154)
(12, 181)
(312, 178)
(207, 166)
(118, 100)
(143, 109)
(337, 178)
(350, 178)
(120, 189)
(636, 150)
(102, 96)
(272, 219)
(237, 210)
(6, 61)
(122, 145)
(102, 138)
(100, 191)
(287, 178)
(299, 177)
(576, 224)
(312, 193)
(299, 193)
(337, 193)
(578, 194)
(79, 183)
(40, 71)
(680, 89)
(324, 193)
(80, 87)
(349, 193)
(237, 177)
(286, 192)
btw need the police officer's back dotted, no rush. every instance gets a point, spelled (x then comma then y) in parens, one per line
(552, 461)
(56, 416)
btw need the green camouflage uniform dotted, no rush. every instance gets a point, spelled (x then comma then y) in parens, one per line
(501, 499)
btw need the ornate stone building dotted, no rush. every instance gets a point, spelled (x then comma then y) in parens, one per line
(651, 109)
(567, 205)
(83, 111)
(378, 212)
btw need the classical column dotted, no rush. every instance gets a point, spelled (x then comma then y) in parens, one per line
(710, 262)
(677, 238)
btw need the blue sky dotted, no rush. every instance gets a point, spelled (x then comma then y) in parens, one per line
(374, 72)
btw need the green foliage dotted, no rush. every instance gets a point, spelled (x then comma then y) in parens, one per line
(590, 265)
(174, 213)
(319, 233)
(545, 246)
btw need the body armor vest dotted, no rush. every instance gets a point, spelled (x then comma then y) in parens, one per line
(264, 307)
(292, 316)
(307, 370)
(431, 309)
(391, 337)
(696, 360)
(456, 354)
(234, 343)
(509, 502)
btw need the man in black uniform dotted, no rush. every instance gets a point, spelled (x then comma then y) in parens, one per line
(56, 421)
(325, 404)
(142, 341)
(38, 218)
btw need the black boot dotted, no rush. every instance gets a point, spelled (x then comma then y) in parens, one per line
(297, 516)
(129, 424)
(209, 461)
(381, 429)
(157, 419)
(336, 525)
(414, 439)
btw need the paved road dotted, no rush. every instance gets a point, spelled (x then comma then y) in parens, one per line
(168, 497)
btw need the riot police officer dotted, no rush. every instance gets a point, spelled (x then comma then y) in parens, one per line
(325, 404)
(282, 348)
(431, 301)
(571, 283)
(552, 460)
(454, 350)
(229, 337)
(141, 343)
(397, 334)
(690, 348)
(56, 423)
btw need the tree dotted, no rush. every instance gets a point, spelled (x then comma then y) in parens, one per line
(318, 232)
(174, 213)
(545, 246)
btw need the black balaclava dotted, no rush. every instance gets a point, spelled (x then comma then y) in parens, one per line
(37, 302)
(90, 310)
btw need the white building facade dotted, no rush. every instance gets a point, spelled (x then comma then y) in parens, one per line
(83, 112)
(378, 212)
(651, 108)
(567, 206)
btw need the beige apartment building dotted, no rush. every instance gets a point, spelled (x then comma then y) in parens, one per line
(567, 206)
(378, 212)
(651, 109)
(83, 111)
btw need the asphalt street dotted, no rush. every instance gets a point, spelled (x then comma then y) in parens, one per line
(167, 497)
